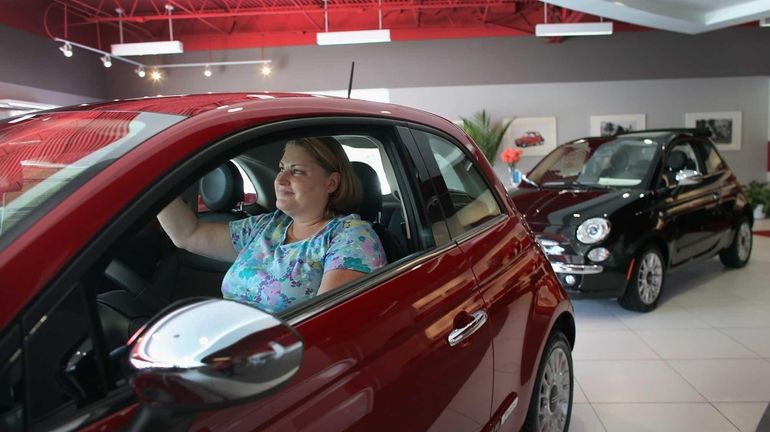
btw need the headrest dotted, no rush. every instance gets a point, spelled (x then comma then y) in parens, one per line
(619, 159)
(676, 160)
(222, 189)
(371, 192)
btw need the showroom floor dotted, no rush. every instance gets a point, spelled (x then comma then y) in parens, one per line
(700, 362)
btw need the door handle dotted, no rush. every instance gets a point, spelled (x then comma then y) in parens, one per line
(478, 319)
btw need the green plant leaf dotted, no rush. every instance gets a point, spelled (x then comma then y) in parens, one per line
(486, 136)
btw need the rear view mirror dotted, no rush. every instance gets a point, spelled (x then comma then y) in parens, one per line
(688, 177)
(212, 353)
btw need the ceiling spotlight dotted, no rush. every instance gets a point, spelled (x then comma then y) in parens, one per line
(106, 60)
(266, 70)
(140, 71)
(207, 71)
(66, 49)
(156, 75)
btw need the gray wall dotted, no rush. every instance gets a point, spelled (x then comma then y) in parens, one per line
(33, 68)
(515, 60)
(664, 102)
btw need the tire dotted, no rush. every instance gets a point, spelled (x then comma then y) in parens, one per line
(643, 290)
(550, 407)
(738, 253)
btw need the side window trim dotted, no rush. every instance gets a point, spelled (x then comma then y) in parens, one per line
(425, 185)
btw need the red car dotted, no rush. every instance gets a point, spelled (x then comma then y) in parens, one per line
(106, 325)
(530, 139)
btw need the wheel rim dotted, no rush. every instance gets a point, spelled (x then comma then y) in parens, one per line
(650, 278)
(744, 241)
(555, 391)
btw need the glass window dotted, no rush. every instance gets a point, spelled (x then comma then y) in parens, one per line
(711, 158)
(473, 202)
(41, 154)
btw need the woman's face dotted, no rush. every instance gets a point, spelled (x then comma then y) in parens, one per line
(302, 186)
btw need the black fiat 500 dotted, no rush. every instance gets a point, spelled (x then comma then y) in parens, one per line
(614, 214)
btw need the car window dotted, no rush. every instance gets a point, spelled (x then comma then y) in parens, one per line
(42, 154)
(711, 159)
(472, 200)
(63, 371)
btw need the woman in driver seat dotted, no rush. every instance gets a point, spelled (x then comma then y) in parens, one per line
(311, 244)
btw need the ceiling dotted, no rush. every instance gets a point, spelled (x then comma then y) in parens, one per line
(227, 24)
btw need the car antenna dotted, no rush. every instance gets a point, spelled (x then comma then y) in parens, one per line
(350, 83)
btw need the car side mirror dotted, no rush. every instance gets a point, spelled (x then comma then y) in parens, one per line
(688, 177)
(212, 353)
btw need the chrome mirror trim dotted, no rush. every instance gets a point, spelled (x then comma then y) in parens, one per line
(213, 351)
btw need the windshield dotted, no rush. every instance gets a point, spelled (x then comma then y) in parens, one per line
(44, 153)
(621, 163)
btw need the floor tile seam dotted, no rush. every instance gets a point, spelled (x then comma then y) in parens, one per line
(725, 415)
(739, 342)
(676, 371)
(706, 402)
(598, 417)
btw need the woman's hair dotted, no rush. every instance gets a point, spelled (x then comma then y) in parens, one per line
(328, 152)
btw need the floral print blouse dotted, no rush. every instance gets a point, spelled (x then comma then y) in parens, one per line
(272, 275)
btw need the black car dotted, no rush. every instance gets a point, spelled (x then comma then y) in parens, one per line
(614, 214)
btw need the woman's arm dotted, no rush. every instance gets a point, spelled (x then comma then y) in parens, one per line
(335, 278)
(187, 232)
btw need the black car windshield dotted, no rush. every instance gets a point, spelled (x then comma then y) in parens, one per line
(617, 163)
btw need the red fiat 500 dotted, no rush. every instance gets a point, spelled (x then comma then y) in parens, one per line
(106, 325)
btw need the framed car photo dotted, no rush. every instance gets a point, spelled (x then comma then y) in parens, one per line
(611, 125)
(536, 136)
(725, 127)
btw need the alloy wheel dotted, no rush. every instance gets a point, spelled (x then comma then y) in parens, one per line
(650, 278)
(744, 241)
(555, 391)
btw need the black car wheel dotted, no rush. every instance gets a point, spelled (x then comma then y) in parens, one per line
(643, 290)
(550, 407)
(738, 253)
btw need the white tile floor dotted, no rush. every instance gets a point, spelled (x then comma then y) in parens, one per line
(700, 362)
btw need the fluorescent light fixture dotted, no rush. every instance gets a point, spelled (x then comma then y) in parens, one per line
(353, 37)
(147, 48)
(574, 29)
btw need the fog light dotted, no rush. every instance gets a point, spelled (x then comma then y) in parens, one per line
(598, 254)
(569, 279)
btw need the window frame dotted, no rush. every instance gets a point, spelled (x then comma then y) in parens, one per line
(443, 191)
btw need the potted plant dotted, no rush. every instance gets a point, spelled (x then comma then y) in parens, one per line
(759, 197)
(486, 135)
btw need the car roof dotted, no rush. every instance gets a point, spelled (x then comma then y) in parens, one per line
(286, 103)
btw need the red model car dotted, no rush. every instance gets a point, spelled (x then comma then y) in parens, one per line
(106, 325)
(530, 139)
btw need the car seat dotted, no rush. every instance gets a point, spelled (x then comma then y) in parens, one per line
(222, 192)
(371, 207)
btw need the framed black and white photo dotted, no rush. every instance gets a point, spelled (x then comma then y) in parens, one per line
(610, 125)
(725, 127)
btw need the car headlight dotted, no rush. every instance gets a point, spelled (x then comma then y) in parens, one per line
(593, 230)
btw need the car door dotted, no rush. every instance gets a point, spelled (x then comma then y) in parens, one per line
(687, 209)
(377, 355)
(719, 181)
(504, 260)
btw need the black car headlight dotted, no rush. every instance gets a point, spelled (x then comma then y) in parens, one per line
(593, 230)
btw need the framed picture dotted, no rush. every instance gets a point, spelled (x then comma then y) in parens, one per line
(536, 136)
(725, 127)
(609, 125)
